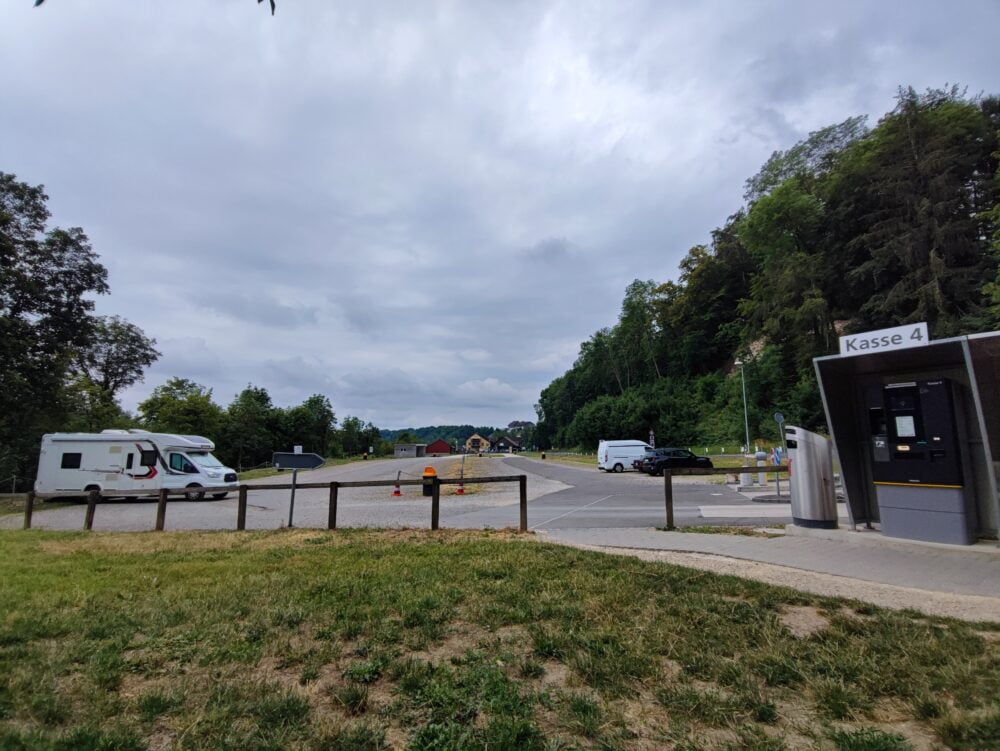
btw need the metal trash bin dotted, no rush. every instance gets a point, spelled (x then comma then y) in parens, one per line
(810, 477)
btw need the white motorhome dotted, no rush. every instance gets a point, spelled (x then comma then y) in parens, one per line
(130, 463)
(617, 456)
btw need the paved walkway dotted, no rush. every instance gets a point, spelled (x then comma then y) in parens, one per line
(964, 583)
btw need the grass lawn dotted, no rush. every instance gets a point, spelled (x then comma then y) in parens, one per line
(575, 460)
(457, 640)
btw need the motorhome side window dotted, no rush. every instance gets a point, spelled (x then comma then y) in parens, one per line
(148, 458)
(179, 463)
(129, 461)
(71, 461)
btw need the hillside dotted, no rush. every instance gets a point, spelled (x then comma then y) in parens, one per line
(852, 229)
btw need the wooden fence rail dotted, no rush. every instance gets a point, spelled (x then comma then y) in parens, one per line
(243, 492)
(668, 484)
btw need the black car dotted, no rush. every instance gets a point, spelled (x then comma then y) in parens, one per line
(669, 458)
(648, 454)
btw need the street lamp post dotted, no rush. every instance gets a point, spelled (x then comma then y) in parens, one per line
(746, 419)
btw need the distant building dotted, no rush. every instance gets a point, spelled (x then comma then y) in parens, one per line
(506, 444)
(409, 450)
(440, 447)
(476, 443)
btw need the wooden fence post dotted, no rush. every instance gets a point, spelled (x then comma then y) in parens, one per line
(331, 522)
(29, 508)
(161, 509)
(435, 502)
(522, 482)
(88, 519)
(668, 497)
(241, 509)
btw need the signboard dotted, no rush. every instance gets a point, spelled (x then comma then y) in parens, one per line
(884, 340)
(285, 460)
(779, 418)
(296, 449)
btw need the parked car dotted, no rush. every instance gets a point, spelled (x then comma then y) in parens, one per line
(672, 458)
(650, 453)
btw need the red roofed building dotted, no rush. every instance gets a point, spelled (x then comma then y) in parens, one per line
(440, 447)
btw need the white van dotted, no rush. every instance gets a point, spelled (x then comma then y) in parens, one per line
(617, 456)
(130, 463)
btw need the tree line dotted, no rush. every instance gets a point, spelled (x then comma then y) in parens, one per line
(852, 229)
(251, 428)
(457, 434)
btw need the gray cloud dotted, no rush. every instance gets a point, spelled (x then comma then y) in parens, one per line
(421, 209)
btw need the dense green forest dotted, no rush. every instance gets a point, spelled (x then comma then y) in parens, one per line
(852, 229)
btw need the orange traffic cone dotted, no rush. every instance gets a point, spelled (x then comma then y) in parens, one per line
(395, 491)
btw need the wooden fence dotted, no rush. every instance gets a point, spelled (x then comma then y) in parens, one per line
(243, 492)
(434, 483)
(668, 485)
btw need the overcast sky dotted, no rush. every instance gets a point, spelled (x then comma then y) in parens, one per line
(420, 209)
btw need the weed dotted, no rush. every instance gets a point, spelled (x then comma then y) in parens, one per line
(928, 707)
(706, 706)
(277, 711)
(436, 737)
(548, 643)
(352, 697)
(530, 668)
(752, 739)
(971, 733)
(367, 671)
(512, 734)
(77, 739)
(154, 703)
(309, 674)
(777, 670)
(868, 739)
(838, 700)
(356, 738)
(586, 715)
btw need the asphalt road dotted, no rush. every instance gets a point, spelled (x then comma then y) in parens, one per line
(596, 499)
(560, 497)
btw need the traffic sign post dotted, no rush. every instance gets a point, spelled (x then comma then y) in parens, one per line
(289, 460)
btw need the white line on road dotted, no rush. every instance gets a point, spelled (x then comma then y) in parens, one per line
(581, 508)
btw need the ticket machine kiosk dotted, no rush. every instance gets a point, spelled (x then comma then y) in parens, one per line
(917, 463)
(916, 431)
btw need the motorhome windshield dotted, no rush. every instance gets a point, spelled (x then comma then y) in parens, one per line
(203, 459)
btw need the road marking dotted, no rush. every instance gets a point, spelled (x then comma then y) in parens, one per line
(581, 508)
